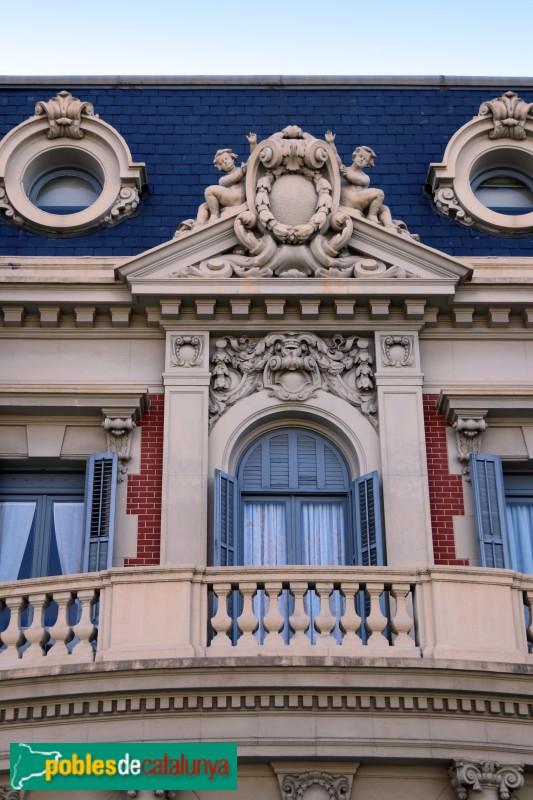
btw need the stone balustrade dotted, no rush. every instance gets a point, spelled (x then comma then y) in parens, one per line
(154, 613)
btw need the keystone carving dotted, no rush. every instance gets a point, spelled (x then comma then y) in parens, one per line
(64, 114)
(187, 351)
(124, 206)
(509, 116)
(469, 431)
(118, 430)
(292, 366)
(496, 780)
(449, 206)
(299, 202)
(397, 351)
(296, 787)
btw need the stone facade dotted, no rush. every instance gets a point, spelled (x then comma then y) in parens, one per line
(306, 331)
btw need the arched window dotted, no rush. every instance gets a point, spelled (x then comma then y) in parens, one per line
(293, 502)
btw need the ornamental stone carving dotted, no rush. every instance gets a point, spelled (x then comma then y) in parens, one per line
(186, 351)
(140, 794)
(397, 351)
(299, 787)
(469, 431)
(449, 206)
(11, 794)
(7, 209)
(298, 205)
(509, 115)
(292, 366)
(495, 781)
(64, 114)
(118, 430)
(124, 206)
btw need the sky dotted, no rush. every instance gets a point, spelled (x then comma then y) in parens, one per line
(266, 37)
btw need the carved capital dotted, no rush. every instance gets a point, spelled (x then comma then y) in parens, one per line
(509, 115)
(118, 430)
(469, 430)
(64, 114)
(187, 350)
(292, 366)
(11, 794)
(297, 787)
(397, 351)
(492, 779)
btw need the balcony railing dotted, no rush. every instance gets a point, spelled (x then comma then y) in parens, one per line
(455, 613)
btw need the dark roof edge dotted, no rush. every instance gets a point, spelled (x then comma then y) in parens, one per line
(308, 81)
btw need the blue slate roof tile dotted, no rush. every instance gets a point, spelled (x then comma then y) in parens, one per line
(177, 129)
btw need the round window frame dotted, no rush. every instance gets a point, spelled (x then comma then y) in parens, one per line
(26, 152)
(470, 152)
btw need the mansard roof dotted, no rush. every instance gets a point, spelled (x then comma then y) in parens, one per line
(176, 125)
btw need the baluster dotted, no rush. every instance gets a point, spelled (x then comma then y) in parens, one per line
(528, 600)
(221, 622)
(299, 621)
(402, 621)
(85, 629)
(13, 636)
(376, 622)
(324, 620)
(273, 619)
(61, 631)
(247, 621)
(36, 634)
(350, 620)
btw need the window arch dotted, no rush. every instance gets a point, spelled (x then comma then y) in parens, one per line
(293, 501)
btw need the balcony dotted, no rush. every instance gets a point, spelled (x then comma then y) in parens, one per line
(455, 613)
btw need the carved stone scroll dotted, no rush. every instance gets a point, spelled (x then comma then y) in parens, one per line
(64, 114)
(187, 351)
(449, 206)
(492, 780)
(509, 115)
(118, 430)
(124, 206)
(292, 366)
(397, 351)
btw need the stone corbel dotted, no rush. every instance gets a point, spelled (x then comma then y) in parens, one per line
(298, 783)
(118, 427)
(469, 429)
(494, 781)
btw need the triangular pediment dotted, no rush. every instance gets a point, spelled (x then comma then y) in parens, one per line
(292, 217)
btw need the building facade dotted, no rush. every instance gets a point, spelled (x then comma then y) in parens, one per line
(266, 428)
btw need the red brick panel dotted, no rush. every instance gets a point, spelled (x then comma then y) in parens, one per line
(445, 490)
(144, 490)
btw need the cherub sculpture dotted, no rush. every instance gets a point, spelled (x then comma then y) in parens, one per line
(356, 192)
(230, 190)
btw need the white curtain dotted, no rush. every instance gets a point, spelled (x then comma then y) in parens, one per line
(68, 524)
(520, 528)
(265, 543)
(15, 526)
(323, 542)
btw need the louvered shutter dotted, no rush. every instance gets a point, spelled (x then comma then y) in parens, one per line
(225, 519)
(369, 547)
(100, 494)
(489, 502)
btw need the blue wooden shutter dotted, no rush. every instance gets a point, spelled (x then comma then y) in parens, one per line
(100, 494)
(225, 519)
(489, 501)
(367, 521)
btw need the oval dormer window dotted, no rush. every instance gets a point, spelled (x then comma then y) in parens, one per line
(65, 191)
(504, 190)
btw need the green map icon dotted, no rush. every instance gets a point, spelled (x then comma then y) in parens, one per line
(28, 762)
